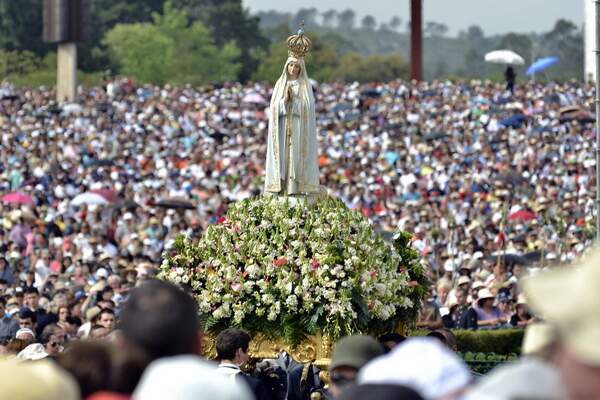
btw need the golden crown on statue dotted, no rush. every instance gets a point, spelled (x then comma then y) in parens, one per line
(299, 45)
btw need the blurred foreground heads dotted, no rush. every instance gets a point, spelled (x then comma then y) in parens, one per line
(161, 321)
(380, 392)
(187, 378)
(575, 317)
(350, 354)
(39, 380)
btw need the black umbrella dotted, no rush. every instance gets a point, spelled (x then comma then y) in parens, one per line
(351, 116)
(533, 256)
(104, 162)
(370, 93)
(510, 258)
(125, 204)
(341, 107)
(175, 203)
(436, 136)
(510, 177)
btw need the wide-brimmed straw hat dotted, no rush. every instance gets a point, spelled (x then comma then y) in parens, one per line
(567, 298)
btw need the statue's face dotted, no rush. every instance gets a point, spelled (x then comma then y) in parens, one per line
(293, 69)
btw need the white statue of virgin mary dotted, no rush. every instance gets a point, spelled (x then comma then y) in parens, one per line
(292, 167)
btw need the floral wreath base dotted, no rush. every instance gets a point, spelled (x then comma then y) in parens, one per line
(289, 272)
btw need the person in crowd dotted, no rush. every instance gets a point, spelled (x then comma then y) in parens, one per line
(25, 334)
(232, 353)
(8, 325)
(446, 337)
(488, 315)
(161, 320)
(522, 317)
(510, 77)
(90, 364)
(53, 339)
(42, 317)
(391, 340)
(457, 311)
(107, 319)
(27, 319)
(350, 354)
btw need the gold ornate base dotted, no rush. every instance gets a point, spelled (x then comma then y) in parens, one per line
(315, 349)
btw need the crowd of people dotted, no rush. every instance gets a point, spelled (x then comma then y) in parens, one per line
(154, 353)
(94, 192)
(495, 186)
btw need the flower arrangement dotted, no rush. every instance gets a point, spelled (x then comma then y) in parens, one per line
(292, 270)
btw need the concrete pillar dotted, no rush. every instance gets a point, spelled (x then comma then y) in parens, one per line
(416, 40)
(66, 73)
(589, 26)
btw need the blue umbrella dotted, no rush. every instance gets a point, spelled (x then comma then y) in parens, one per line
(541, 64)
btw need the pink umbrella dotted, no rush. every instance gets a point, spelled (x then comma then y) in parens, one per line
(254, 98)
(522, 214)
(18, 198)
(108, 194)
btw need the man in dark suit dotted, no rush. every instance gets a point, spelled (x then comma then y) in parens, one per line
(43, 318)
(232, 353)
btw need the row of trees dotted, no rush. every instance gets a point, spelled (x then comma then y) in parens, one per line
(330, 19)
(182, 41)
(225, 21)
(460, 56)
(206, 41)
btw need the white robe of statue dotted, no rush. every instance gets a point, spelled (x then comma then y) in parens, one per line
(292, 167)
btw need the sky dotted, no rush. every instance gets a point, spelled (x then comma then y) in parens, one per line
(493, 16)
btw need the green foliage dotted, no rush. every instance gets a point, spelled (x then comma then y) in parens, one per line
(324, 63)
(272, 63)
(170, 51)
(21, 26)
(354, 67)
(18, 63)
(416, 272)
(24, 69)
(483, 363)
(106, 14)
(503, 341)
(229, 23)
(288, 271)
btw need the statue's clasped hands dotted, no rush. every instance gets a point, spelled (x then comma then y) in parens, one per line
(288, 95)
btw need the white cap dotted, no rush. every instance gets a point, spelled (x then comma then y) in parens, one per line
(101, 273)
(423, 364)
(187, 378)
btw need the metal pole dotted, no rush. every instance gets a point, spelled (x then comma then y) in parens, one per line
(416, 40)
(597, 2)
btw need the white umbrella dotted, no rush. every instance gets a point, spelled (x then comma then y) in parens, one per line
(89, 199)
(504, 57)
